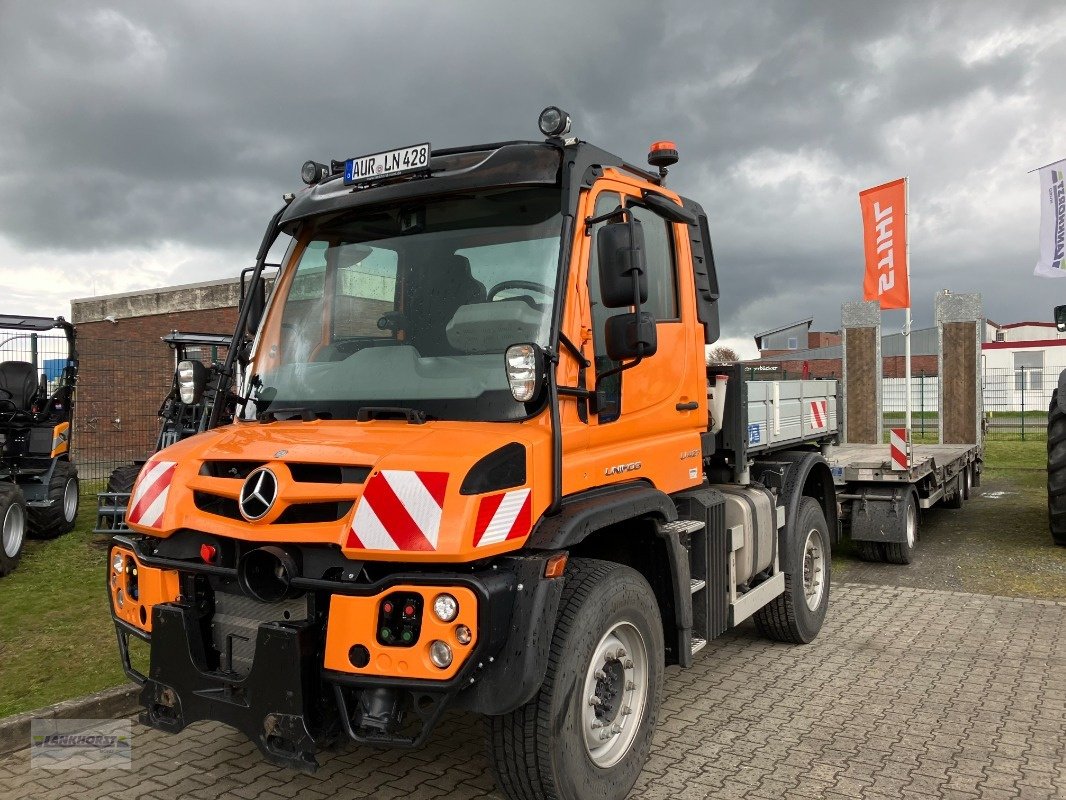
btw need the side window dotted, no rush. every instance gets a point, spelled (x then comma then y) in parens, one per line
(662, 268)
(364, 290)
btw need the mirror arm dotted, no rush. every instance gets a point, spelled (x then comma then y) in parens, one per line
(618, 212)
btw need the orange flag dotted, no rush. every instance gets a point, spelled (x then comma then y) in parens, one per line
(884, 234)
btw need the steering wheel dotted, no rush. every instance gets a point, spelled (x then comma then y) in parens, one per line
(540, 288)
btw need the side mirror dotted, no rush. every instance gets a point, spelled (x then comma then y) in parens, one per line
(630, 335)
(623, 265)
(255, 299)
(1060, 318)
(525, 364)
(192, 381)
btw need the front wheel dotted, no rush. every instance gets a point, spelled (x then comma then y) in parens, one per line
(797, 615)
(12, 526)
(588, 730)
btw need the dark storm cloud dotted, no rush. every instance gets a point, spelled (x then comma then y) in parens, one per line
(131, 125)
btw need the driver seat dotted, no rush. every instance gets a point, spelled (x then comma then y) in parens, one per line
(19, 379)
(439, 292)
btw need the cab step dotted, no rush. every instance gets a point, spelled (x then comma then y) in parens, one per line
(698, 644)
(695, 584)
(682, 526)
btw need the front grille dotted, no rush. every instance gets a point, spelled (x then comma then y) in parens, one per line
(296, 514)
(236, 622)
(217, 504)
(230, 469)
(327, 473)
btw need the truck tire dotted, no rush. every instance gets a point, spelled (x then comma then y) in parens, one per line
(59, 517)
(586, 733)
(1056, 471)
(903, 552)
(12, 526)
(797, 615)
(870, 551)
(967, 481)
(122, 478)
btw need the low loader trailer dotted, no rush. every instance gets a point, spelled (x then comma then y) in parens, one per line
(477, 462)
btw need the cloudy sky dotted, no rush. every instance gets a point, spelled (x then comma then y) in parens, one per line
(144, 144)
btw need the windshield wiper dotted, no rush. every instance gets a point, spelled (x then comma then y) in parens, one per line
(414, 416)
(306, 414)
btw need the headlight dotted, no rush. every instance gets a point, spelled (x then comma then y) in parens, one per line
(445, 607)
(187, 382)
(440, 654)
(116, 562)
(525, 371)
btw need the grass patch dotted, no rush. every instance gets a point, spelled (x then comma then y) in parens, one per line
(57, 640)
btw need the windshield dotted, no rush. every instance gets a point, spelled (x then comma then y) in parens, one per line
(411, 307)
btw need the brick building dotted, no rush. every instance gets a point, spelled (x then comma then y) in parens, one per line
(126, 370)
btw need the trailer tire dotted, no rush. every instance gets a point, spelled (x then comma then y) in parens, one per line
(543, 749)
(60, 517)
(903, 552)
(790, 617)
(870, 551)
(1056, 471)
(12, 526)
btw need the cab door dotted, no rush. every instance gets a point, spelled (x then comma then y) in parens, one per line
(649, 417)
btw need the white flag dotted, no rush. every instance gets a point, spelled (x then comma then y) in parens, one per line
(1052, 263)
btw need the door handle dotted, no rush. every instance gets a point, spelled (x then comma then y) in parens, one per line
(687, 406)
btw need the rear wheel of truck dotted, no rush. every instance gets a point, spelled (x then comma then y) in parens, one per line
(12, 526)
(903, 552)
(1056, 470)
(58, 517)
(588, 730)
(797, 615)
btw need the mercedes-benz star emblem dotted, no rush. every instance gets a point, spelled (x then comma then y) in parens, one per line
(258, 494)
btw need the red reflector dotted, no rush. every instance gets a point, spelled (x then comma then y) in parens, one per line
(663, 145)
(208, 553)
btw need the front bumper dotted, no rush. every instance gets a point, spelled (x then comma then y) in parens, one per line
(291, 705)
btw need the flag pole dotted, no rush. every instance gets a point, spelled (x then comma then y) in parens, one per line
(907, 311)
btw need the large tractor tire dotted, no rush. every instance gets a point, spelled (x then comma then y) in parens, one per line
(1056, 470)
(588, 730)
(12, 526)
(59, 517)
(122, 478)
(797, 615)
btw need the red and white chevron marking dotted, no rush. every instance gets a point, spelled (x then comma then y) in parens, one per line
(819, 414)
(149, 498)
(503, 516)
(399, 510)
(897, 445)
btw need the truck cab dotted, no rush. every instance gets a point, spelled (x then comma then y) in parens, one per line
(477, 460)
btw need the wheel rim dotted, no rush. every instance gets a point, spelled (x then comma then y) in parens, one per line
(70, 500)
(14, 529)
(912, 525)
(616, 692)
(813, 569)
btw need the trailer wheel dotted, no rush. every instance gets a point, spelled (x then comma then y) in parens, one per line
(903, 552)
(1056, 470)
(12, 526)
(967, 481)
(59, 517)
(870, 551)
(587, 732)
(797, 615)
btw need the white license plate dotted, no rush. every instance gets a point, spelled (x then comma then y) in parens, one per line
(388, 164)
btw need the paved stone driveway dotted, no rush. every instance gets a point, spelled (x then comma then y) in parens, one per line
(907, 693)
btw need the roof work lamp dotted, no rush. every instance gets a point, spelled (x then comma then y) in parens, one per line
(192, 381)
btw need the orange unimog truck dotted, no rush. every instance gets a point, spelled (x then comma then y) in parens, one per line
(477, 462)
